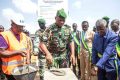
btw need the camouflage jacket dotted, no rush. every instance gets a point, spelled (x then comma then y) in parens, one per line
(57, 38)
(36, 41)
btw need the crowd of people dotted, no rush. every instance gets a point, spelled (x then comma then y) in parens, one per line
(91, 54)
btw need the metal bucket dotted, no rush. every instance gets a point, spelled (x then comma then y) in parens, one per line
(24, 73)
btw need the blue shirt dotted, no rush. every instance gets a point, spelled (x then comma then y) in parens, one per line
(106, 47)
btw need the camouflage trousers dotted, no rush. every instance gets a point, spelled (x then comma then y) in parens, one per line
(42, 66)
(60, 61)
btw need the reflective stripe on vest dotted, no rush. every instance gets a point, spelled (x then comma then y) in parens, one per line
(11, 63)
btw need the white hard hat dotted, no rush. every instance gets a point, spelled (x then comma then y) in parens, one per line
(18, 21)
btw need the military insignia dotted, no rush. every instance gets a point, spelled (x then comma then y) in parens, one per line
(45, 38)
(55, 29)
(60, 34)
(66, 32)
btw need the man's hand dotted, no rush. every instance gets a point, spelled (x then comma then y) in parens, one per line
(72, 59)
(94, 70)
(49, 58)
(22, 53)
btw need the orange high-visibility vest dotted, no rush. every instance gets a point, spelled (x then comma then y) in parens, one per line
(9, 63)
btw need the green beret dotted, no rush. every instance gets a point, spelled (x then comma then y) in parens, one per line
(61, 13)
(106, 18)
(41, 21)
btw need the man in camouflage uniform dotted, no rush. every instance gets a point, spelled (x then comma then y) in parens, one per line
(58, 38)
(37, 51)
(76, 37)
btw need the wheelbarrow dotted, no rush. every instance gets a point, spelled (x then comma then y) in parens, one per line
(26, 72)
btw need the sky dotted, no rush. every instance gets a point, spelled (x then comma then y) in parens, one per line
(79, 10)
